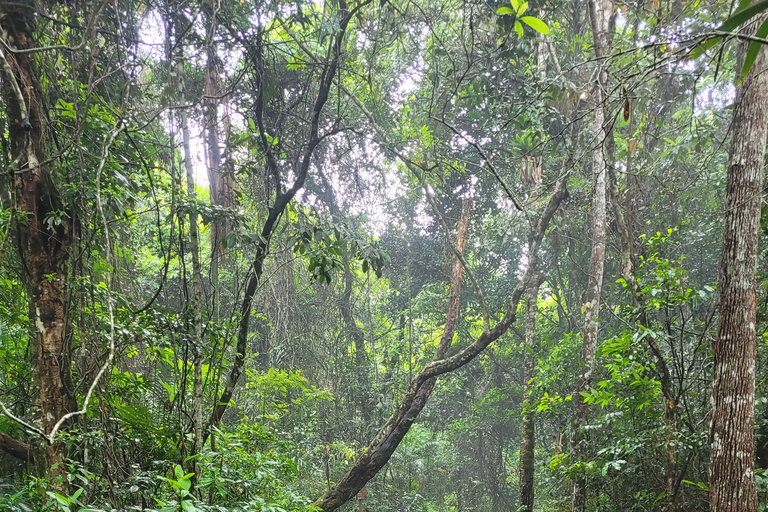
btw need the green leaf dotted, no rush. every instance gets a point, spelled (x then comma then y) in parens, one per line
(522, 9)
(741, 16)
(706, 45)
(515, 5)
(753, 50)
(700, 485)
(518, 29)
(536, 24)
(504, 10)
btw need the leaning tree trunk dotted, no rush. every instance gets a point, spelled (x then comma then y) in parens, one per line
(42, 238)
(388, 438)
(731, 439)
(282, 197)
(601, 12)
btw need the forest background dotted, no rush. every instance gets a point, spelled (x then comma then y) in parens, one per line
(392, 255)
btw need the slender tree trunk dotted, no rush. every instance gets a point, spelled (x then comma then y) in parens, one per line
(42, 238)
(282, 197)
(198, 351)
(196, 295)
(528, 439)
(731, 439)
(601, 12)
(221, 180)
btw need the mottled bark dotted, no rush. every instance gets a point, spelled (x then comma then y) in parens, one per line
(601, 12)
(731, 439)
(392, 433)
(527, 430)
(42, 242)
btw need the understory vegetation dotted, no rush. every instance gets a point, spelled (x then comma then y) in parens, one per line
(391, 255)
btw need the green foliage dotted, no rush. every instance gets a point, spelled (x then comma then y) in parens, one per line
(353, 289)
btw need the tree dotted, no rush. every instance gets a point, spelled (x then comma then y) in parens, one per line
(601, 16)
(44, 233)
(731, 440)
(528, 427)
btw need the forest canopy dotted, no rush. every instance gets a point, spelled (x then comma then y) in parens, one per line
(383, 255)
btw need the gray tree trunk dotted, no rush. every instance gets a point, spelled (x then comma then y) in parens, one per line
(731, 439)
(601, 12)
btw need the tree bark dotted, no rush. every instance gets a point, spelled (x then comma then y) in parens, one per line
(43, 237)
(16, 448)
(601, 12)
(731, 438)
(528, 428)
(198, 350)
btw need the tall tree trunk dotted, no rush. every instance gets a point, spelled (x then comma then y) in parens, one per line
(195, 294)
(198, 350)
(731, 438)
(221, 179)
(528, 441)
(601, 12)
(42, 243)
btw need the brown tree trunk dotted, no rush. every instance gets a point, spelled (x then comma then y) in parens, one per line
(16, 448)
(731, 438)
(528, 439)
(601, 12)
(42, 238)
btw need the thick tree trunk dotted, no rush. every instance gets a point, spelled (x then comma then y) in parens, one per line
(731, 439)
(42, 237)
(527, 434)
(601, 12)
